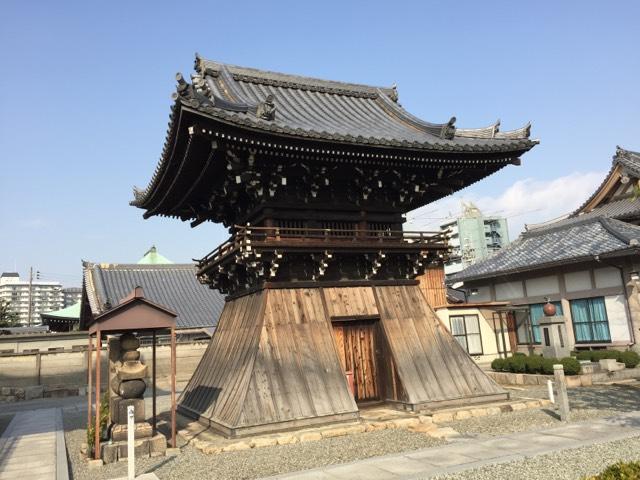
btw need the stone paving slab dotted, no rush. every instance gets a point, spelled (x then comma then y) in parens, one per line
(32, 446)
(469, 453)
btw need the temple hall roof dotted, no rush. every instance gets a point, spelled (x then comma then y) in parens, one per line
(174, 286)
(565, 243)
(330, 110)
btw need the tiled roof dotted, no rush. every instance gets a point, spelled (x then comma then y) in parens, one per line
(330, 110)
(174, 286)
(562, 244)
(72, 311)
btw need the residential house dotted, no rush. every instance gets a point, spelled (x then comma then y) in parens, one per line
(586, 263)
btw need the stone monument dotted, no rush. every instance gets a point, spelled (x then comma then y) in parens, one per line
(127, 386)
(554, 333)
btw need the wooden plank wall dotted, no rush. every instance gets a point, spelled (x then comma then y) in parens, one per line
(297, 373)
(220, 382)
(350, 301)
(433, 287)
(432, 366)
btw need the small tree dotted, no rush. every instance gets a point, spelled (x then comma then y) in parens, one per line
(8, 318)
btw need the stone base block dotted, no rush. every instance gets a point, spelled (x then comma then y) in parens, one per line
(141, 430)
(118, 408)
(148, 447)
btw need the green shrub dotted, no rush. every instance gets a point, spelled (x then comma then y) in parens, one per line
(498, 364)
(517, 364)
(619, 471)
(597, 355)
(630, 359)
(519, 354)
(534, 364)
(547, 365)
(584, 355)
(570, 365)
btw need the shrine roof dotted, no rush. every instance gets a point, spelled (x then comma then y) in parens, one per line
(330, 110)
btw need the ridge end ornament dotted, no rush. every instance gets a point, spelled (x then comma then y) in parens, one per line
(267, 109)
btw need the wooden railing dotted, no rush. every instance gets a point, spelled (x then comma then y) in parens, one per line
(247, 236)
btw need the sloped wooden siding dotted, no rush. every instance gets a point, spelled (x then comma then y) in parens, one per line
(431, 365)
(297, 372)
(219, 384)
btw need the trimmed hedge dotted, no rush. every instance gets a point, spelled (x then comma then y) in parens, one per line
(619, 471)
(630, 358)
(520, 363)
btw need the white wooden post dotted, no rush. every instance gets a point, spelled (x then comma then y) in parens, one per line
(131, 475)
(550, 389)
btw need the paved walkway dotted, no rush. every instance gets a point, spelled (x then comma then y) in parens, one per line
(32, 447)
(468, 453)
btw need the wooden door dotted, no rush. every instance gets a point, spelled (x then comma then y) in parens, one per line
(356, 342)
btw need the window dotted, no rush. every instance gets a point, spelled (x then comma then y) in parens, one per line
(466, 330)
(590, 322)
(536, 312)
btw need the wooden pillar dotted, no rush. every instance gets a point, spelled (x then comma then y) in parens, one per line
(96, 442)
(89, 379)
(173, 387)
(153, 381)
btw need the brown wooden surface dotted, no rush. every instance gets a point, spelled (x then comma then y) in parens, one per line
(350, 301)
(276, 359)
(217, 388)
(433, 287)
(431, 365)
(357, 343)
(297, 373)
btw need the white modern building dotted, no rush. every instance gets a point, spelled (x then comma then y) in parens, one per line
(473, 237)
(45, 296)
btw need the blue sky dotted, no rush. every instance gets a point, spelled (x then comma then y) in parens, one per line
(85, 96)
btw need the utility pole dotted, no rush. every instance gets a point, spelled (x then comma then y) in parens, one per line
(30, 294)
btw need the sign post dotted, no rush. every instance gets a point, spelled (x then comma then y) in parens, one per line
(131, 471)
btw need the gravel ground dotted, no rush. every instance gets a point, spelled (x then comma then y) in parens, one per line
(572, 464)
(254, 463)
(586, 403)
(5, 420)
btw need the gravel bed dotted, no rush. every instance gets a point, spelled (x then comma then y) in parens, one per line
(586, 403)
(5, 420)
(249, 464)
(571, 464)
(522, 420)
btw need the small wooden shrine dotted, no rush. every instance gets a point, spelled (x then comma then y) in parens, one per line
(313, 179)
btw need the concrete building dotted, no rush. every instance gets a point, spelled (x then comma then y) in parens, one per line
(71, 296)
(45, 296)
(586, 263)
(473, 237)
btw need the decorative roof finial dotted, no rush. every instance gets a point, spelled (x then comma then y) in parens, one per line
(394, 92)
(267, 109)
(449, 130)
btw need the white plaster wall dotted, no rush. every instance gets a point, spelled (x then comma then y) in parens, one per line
(607, 277)
(489, 346)
(483, 295)
(617, 315)
(509, 290)
(542, 285)
(577, 281)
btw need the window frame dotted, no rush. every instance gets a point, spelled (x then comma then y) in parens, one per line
(590, 323)
(466, 334)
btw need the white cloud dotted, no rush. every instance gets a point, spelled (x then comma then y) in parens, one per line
(525, 202)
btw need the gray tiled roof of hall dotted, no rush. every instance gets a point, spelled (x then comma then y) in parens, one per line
(563, 244)
(330, 110)
(174, 286)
